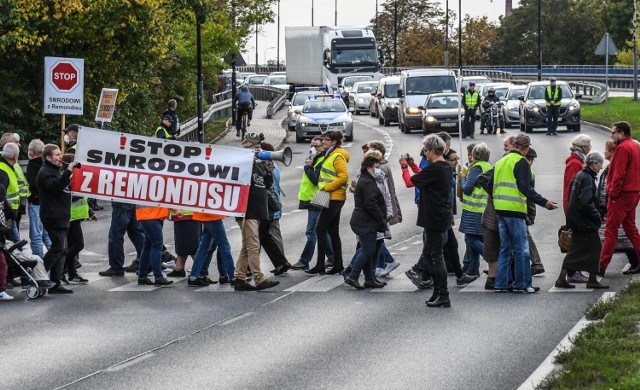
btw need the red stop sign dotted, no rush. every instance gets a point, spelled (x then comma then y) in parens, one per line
(64, 76)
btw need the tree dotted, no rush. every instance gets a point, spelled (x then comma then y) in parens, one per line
(478, 36)
(619, 17)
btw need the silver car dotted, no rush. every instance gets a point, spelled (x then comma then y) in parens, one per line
(388, 100)
(296, 104)
(323, 113)
(510, 109)
(360, 95)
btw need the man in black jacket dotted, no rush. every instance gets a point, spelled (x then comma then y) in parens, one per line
(55, 211)
(174, 128)
(37, 234)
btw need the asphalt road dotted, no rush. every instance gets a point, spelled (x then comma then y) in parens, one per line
(308, 332)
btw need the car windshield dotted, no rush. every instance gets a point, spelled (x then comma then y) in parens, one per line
(352, 80)
(391, 90)
(257, 80)
(477, 80)
(501, 92)
(314, 106)
(364, 88)
(537, 91)
(514, 93)
(443, 102)
(278, 80)
(425, 85)
(300, 99)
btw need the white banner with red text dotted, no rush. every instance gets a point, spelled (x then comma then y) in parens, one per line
(160, 172)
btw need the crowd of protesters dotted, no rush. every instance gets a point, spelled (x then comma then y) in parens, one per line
(497, 200)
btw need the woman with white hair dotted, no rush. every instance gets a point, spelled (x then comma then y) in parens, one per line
(580, 147)
(583, 218)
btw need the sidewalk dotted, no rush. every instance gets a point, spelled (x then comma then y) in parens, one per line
(271, 128)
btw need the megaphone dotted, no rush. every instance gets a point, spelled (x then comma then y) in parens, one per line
(285, 155)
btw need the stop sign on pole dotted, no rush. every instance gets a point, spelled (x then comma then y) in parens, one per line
(63, 85)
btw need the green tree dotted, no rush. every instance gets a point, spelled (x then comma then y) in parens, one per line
(620, 16)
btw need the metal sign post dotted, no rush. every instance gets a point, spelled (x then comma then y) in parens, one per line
(606, 47)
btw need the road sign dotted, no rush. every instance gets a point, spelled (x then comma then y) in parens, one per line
(606, 46)
(63, 85)
(107, 105)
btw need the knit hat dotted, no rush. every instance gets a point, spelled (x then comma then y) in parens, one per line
(522, 141)
(253, 138)
(72, 128)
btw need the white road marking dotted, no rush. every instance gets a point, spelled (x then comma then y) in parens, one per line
(321, 283)
(132, 362)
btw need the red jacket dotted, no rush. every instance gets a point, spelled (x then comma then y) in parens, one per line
(574, 164)
(624, 169)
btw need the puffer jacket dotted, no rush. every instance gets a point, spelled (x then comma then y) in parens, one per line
(338, 187)
(583, 214)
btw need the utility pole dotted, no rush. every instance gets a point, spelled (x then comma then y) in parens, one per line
(312, 13)
(256, 48)
(336, 11)
(395, 36)
(635, 50)
(446, 37)
(539, 40)
(278, 45)
(200, 82)
(460, 38)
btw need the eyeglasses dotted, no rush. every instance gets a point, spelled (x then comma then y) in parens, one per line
(614, 131)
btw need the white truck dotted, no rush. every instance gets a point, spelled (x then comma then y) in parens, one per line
(323, 56)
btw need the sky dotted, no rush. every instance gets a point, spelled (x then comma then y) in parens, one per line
(350, 13)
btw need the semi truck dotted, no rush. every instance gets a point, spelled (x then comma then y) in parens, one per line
(323, 56)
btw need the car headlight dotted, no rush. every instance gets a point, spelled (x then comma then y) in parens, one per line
(392, 105)
(532, 107)
(412, 110)
(574, 106)
(431, 119)
(303, 124)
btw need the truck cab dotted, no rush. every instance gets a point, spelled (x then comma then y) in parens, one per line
(415, 86)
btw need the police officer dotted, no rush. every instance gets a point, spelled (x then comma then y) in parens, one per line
(71, 138)
(552, 99)
(163, 131)
(470, 103)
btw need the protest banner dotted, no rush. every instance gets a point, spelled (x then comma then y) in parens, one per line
(160, 172)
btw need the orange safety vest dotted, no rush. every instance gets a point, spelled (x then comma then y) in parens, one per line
(207, 217)
(144, 213)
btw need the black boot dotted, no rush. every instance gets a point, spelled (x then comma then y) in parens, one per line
(441, 301)
(317, 270)
(434, 296)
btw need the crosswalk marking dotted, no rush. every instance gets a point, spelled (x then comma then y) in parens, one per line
(216, 288)
(321, 283)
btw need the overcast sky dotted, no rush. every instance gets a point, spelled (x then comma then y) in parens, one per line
(350, 13)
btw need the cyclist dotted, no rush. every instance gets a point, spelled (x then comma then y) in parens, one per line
(244, 103)
(486, 104)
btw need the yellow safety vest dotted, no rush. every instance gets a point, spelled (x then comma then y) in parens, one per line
(477, 200)
(506, 195)
(555, 95)
(13, 190)
(471, 99)
(23, 185)
(327, 173)
(80, 209)
(167, 135)
(307, 188)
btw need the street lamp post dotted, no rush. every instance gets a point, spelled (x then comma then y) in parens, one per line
(278, 45)
(460, 38)
(256, 47)
(312, 8)
(446, 36)
(395, 36)
(635, 50)
(200, 81)
(539, 41)
(336, 12)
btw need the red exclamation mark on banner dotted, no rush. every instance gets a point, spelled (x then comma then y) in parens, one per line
(123, 141)
(207, 152)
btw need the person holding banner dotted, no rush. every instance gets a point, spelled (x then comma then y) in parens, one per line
(151, 219)
(257, 210)
(213, 236)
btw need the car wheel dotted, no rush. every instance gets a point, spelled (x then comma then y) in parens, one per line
(349, 138)
(381, 120)
(424, 129)
(574, 128)
(387, 122)
(292, 128)
(405, 129)
(299, 139)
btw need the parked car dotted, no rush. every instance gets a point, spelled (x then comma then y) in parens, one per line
(373, 105)
(324, 113)
(476, 79)
(296, 104)
(415, 86)
(360, 95)
(387, 100)
(254, 79)
(347, 83)
(442, 112)
(277, 81)
(500, 89)
(510, 109)
(533, 110)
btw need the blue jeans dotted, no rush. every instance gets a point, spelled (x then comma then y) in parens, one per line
(213, 235)
(384, 256)
(367, 237)
(37, 235)
(310, 246)
(475, 247)
(151, 249)
(513, 243)
(14, 234)
(123, 221)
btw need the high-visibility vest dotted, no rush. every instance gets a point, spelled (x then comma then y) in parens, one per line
(506, 195)
(307, 188)
(327, 172)
(23, 185)
(72, 148)
(165, 133)
(80, 209)
(555, 95)
(471, 98)
(148, 213)
(207, 217)
(186, 215)
(477, 200)
(13, 190)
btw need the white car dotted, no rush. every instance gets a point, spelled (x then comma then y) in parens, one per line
(254, 79)
(360, 95)
(277, 81)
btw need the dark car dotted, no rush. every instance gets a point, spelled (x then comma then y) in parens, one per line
(441, 112)
(533, 110)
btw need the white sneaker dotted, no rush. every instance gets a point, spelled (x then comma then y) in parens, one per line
(626, 267)
(170, 264)
(391, 267)
(5, 297)
(379, 272)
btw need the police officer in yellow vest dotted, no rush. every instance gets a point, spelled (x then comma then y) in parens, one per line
(71, 138)
(470, 102)
(9, 180)
(163, 130)
(553, 100)
(511, 190)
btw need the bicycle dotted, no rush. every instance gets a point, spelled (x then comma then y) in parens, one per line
(244, 123)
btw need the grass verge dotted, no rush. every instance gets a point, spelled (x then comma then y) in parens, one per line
(620, 109)
(605, 355)
(214, 128)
